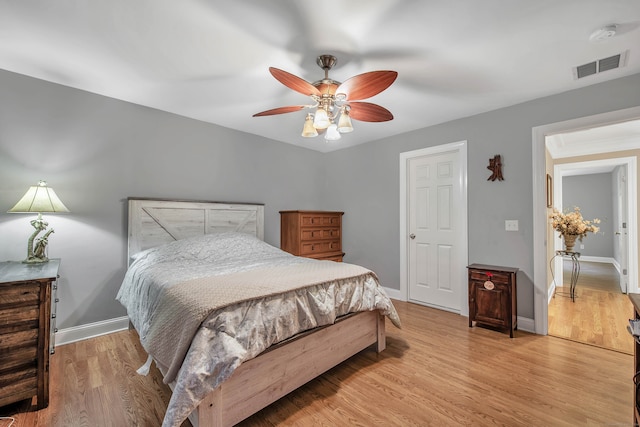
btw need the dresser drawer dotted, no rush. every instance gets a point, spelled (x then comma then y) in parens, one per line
(319, 247)
(319, 233)
(320, 220)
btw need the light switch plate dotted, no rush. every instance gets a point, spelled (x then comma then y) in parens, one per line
(511, 225)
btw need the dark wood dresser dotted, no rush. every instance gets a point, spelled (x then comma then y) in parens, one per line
(312, 234)
(492, 297)
(27, 304)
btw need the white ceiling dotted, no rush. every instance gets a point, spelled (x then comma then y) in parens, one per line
(209, 60)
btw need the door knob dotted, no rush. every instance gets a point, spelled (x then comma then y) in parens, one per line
(413, 236)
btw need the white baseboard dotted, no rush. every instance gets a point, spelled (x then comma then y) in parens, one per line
(602, 259)
(91, 330)
(394, 294)
(526, 324)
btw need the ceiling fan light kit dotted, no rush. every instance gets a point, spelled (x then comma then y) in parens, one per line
(335, 103)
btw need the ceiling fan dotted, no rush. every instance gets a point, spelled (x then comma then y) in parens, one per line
(335, 103)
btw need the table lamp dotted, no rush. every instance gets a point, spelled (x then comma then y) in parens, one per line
(39, 198)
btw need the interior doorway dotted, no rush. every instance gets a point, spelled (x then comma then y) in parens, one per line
(598, 315)
(542, 277)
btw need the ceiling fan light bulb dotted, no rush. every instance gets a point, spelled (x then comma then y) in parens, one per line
(332, 133)
(309, 131)
(321, 121)
(344, 123)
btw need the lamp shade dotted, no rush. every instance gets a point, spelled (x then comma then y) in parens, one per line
(308, 131)
(321, 120)
(344, 123)
(332, 133)
(39, 198)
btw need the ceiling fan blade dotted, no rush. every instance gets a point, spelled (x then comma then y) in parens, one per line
(280, 110)
(366, 85)
(294, 82)
(368, 112)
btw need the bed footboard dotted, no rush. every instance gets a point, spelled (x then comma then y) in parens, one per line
(261, 381)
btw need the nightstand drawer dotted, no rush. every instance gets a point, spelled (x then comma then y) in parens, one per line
(9, 342)
(18, 384)
(13, 319)
(19, 295)
(497, 277)
(18, 359)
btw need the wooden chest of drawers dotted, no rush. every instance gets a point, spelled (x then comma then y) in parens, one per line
(492, 297)
(25, 330)
(312, 234)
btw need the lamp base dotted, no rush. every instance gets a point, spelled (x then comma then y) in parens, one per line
(35, 260)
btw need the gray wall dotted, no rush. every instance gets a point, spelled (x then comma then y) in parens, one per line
(96, 151)
(364, 182)
(593, 195)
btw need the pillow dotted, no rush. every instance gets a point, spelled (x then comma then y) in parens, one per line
(209, 247)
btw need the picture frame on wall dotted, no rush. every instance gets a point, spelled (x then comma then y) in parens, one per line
(549, 191)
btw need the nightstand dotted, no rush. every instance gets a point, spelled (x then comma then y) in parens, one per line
(27, 308)
(492, 297)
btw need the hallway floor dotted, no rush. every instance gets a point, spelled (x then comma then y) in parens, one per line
(601, 312)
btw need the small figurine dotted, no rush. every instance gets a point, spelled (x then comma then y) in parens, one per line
(39, 250)
(495, 166)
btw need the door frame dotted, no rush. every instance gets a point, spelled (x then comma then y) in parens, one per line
(461, 148)
(540, 263)
(631, 246)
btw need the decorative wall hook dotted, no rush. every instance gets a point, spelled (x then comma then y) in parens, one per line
(495, 166)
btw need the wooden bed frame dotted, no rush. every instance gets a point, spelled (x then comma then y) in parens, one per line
(280, 369)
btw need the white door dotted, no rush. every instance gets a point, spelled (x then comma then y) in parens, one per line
(435, 257)
(621, 233)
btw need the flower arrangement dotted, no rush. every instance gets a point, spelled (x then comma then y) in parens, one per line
(572, 223)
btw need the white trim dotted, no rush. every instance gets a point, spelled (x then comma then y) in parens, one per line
(539, 133)
(461, 148)
(394, 294)
(601, 259)
(91, 330)
(526, 324)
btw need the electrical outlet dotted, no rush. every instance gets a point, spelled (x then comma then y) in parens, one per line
(511, 225)
(581, 246)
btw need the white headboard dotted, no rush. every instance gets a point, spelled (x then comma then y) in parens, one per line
(153, 222)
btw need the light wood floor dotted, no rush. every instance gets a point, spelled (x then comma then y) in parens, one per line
(435, 371)
(601, 312)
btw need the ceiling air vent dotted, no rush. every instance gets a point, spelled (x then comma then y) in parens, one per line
(595, 67)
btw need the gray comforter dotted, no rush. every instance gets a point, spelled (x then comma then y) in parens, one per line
(197, 342)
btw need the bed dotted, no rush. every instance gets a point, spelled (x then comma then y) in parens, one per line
(233, 323)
